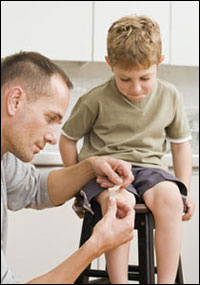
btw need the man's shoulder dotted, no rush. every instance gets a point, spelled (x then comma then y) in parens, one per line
(8, 159)
(13, 166)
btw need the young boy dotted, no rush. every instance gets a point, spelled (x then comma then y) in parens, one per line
(130, 117)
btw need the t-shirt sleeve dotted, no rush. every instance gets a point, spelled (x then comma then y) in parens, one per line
(26, 186)
(6, 275)
(178, 130)
(82, 119)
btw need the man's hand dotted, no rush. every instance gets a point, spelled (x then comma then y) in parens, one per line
(111, 171)
(112, 231)
(190, 205)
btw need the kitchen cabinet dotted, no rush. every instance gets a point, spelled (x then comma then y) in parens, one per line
(77, 30)
(106, 12)
(60, 30)
(185, 33)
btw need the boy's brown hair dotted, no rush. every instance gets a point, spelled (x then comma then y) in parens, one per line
(134, 41)
(33, 71)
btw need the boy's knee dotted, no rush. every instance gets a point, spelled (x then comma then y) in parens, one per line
(127, 197)
(171, 197)
(166, 196)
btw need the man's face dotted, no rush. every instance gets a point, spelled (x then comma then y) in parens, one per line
(135, 84)
(37, 122)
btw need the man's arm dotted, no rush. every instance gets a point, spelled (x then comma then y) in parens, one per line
(63, 184)
(109, 232)
(182, 161)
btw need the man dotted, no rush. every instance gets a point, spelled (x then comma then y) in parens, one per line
(34, 99)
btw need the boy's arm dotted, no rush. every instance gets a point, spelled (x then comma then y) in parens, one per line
(68, 150)
(182, 162)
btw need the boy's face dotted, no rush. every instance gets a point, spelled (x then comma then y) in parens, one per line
(135, 84)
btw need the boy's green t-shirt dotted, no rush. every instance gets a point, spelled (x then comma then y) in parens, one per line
(113, 125)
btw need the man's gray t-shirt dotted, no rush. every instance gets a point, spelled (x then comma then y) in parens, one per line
(22, 186)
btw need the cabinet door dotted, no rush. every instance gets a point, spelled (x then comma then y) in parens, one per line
(185, 33)
(106, 12)
(60, 30)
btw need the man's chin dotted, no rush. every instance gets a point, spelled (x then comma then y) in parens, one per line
(25, 158)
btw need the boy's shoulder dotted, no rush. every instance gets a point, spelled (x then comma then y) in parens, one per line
(98, 91)
(166, 91)
(166, 86)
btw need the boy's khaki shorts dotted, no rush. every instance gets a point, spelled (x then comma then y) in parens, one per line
(145, 178)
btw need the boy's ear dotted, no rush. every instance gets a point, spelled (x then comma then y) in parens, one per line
(108, 61)
(161, 60)
(15, 98)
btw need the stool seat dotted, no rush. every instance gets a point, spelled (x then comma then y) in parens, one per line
(145, 271)
(141, 208)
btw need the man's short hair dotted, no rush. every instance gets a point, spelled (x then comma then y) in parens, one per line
(33, 71)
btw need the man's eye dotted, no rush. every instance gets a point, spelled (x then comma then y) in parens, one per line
(51, 119)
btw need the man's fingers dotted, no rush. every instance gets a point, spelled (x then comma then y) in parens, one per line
(104, 182)
(113, 176)
(126, 175)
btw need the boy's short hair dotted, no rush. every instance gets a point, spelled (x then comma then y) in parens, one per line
(134, 41)
(33, 71)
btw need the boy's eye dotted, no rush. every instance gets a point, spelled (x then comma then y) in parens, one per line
(124, 80)
(145, 78)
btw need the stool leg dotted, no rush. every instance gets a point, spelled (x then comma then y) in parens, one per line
(179, 276)
(146, 249)
(85, 235)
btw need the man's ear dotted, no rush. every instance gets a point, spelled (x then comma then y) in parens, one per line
(15, 99)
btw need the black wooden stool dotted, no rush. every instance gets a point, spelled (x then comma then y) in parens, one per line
(145, 272)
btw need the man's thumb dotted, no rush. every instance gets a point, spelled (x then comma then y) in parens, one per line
(112, 207)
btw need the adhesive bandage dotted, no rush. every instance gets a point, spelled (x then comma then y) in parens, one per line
(112, 191)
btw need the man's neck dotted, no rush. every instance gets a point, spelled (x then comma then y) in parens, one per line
(3, 144)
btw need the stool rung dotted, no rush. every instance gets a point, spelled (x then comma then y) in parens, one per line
(104, 274)
(135, 268)
(96, 273)
(100, 281)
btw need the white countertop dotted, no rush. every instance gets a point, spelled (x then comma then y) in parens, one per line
(51, 158)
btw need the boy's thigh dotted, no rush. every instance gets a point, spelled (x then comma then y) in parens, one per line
(154, 178)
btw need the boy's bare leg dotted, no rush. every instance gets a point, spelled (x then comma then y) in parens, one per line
(165, 202)
(117, 259)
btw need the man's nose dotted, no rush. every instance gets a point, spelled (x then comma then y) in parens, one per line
(51, 137)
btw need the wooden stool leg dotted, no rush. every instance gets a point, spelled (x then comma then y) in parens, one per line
(146, 248)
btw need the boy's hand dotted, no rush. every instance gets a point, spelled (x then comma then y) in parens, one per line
(190, 205)
(111, 171)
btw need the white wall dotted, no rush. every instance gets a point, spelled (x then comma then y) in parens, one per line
(39, 240)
